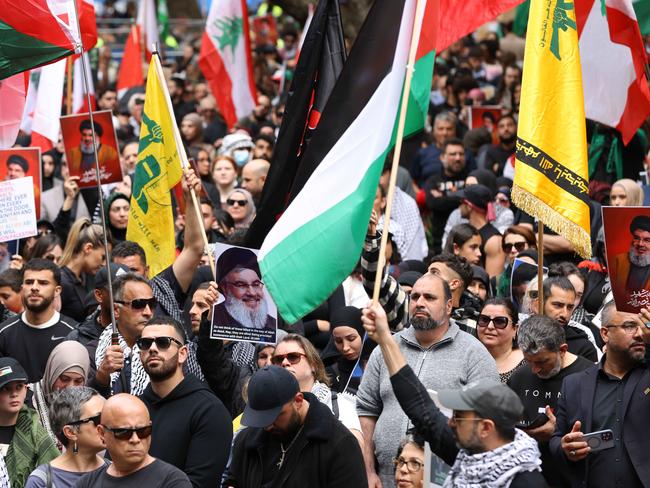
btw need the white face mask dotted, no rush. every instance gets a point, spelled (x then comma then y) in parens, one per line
(241, 156)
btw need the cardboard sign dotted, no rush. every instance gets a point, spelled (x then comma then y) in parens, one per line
(627, 245)
(246, 311)
(77, 139)
(17, 209)
(20, 162)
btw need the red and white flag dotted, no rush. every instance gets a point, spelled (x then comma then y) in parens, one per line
(225, 59)
(79, 99)
(13, 92)
(613, 65)
(148, 23)
(46, 126)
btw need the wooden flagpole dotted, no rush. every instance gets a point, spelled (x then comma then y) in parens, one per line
(410, 68)
(540, 267)
(155, 58)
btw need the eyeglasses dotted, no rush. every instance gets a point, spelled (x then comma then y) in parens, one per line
(95, 420)
(411, 464)
(499, 322)
(124, 434)
(162, 343)
(292, 357)
(242, 285)
(241, 203)
(627, 328)
(519, 246)
(140, 303)
(456, 418)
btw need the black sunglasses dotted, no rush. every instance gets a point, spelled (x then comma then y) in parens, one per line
(124, 434)
(241, 203)
(519, 246)
(162, 343)
(95, 420)
(140, 303)
(499, 322)
(292, 357)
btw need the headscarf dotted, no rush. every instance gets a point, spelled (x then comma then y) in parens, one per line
(196, 120)
(66, 356)
(347, 317)
(116, 234)
(632, 190)
(250, 208)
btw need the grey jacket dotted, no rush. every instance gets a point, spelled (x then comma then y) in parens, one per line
(456, 360)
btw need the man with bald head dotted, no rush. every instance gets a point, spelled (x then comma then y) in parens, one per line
(443, 357)
(253, 177)
(126, 430)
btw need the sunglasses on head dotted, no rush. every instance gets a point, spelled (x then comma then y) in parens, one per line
(139, 303)
(241, 203)
(145, 343)
(519, 246)
(499, 322)
(126, 433)
(292, 357)
(95, 420)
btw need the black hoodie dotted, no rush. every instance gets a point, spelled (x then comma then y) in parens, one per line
(191, 430)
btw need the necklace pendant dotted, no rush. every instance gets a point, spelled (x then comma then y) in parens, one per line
(281, 460)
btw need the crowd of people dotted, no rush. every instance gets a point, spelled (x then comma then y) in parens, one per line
(459, 352)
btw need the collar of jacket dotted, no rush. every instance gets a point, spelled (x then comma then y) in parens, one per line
(408, 336)
(318, 424)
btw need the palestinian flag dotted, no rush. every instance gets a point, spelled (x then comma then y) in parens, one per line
(317, 241)
(34, 33)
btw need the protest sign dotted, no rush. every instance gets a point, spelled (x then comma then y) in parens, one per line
(484, 116)
(246, 311)
(20, 162)
(627, 244)
(265, 30)
(77, 139)
(435, 469)
(17, 209)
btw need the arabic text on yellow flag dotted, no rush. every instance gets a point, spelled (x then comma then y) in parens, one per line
(551, 175)
(151, 222)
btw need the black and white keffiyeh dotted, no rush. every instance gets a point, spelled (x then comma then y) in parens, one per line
(496, 468)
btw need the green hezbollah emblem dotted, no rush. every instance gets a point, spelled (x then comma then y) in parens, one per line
(230, 29)
(561, 21)
(147, 169)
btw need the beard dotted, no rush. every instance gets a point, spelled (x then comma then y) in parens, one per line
(164, 370)
(637, 260)
(553, 372)
(254, 319)
(287, 434)
(86, 149)
(509, 139)
(473, 445)
(421, 323)
(39, 307)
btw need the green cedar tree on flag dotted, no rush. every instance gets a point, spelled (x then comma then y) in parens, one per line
(34, 33)
(317, 241)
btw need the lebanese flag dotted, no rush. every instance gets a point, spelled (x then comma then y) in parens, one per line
(130, 74)
(79, 99)
(225, 59)
(87, 23)
(35, 33)
(148, 23)
(46, 126)
(613, 65)
(13, 93)
(460, 17)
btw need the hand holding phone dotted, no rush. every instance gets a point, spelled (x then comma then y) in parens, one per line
(600, 440)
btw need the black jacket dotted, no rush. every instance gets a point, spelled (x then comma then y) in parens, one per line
(88, 331)
(326, 455)
(579, 344)
(191, 430)
(432, 424)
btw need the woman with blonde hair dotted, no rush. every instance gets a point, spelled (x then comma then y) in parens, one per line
(626, 193)
(83, 255)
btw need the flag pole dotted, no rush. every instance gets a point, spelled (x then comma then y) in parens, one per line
(417, 28)
(540, 267)
(68, 93)
(155, 58)
(100, 193)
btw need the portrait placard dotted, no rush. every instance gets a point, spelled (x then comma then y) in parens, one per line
(17, 210)
(19, 162)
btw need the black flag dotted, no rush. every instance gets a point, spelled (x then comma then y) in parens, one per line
(321, 59)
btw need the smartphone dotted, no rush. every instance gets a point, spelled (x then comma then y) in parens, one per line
(538, 421)
(603, 439)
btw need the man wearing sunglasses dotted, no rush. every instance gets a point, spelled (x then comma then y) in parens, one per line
(192, 430)
(126, 430)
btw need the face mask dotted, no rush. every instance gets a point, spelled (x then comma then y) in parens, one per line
(241, 156)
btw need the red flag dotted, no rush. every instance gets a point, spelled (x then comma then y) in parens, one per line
(130, 74)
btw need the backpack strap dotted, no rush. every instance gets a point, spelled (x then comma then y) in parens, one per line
(335, 404)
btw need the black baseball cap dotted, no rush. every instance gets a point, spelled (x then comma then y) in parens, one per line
(489, 399)
(478, 195)
(11, 370)
(269, 389)
(101, 278)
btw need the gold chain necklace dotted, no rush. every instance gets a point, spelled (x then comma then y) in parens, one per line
(284, 451)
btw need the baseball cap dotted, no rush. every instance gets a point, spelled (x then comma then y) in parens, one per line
(409, 278)
(11, 370)
(269, 389)
(489, 399)
(101, 278)
(477, 195)
(479, 273)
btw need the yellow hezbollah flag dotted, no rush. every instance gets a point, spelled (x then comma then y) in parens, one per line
(551, 176)
(151, 222)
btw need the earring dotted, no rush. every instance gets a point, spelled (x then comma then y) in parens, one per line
(75, 450)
